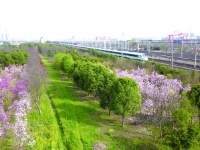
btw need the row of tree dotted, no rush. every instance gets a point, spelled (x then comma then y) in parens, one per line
(120, 95)
(15, 57)
(191, 77)
(37, 76)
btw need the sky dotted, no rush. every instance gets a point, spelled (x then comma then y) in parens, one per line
(84, 19)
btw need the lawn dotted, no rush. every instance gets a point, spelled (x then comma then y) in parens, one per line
(44, 128)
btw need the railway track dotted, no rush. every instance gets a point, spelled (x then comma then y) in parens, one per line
(176, 64)
(186, 63)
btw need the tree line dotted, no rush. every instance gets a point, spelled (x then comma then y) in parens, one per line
(191, 77)
(120, 95)
(14, 57)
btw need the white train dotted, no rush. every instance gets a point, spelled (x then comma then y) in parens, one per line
(126, 54)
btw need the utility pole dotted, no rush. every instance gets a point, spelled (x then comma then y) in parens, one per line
(195, 57)
(117, 44)
(6, 39)
(172, 53)
(121, 46)
(138, 46)
(128, 45)
(182, 49)
(149, 47)
(125, 45)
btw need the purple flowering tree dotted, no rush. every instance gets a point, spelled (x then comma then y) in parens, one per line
(160, 96)
(14, 105)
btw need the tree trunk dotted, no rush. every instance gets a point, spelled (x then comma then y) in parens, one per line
(109, 112)
(160, 127)
(161, 112)
(199, 117)
(123, 117)
(95, 96)
(191, 120)
(173, 124)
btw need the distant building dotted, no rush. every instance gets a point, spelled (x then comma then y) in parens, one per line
(191, 34)
(42, 40)
(198, 37)
(2, 38)
(15, 43)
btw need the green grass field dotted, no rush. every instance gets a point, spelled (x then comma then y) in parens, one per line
(44, 128)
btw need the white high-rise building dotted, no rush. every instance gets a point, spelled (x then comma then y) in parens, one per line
(1, 37)
(42, 40)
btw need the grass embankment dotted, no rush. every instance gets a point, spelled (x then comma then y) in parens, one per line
(82, 123)
(44, 128)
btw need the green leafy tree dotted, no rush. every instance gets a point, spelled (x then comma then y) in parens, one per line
(39, 47)
(143, 44)
(184, 134)
(8, 59)
(67, 63)
(14, 57)
(194, 77)
(125, 96)
(103, 89)
(57, 60)
(76, 73)
(163, 47)
(89, 77)
(133, 43)
(19, 56)
(194, 96)
(183, 114)
(85, 76)
(1, 59)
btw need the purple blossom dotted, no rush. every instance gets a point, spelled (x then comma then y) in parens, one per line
(21, 86)
(4, 117)
(148, 103)
(156, 89)
(10, 66)
(13, 88)
(187, 88)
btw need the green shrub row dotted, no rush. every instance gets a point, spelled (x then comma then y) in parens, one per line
(116, 94)
(49, 50)
(14, 57)
(185, 76)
